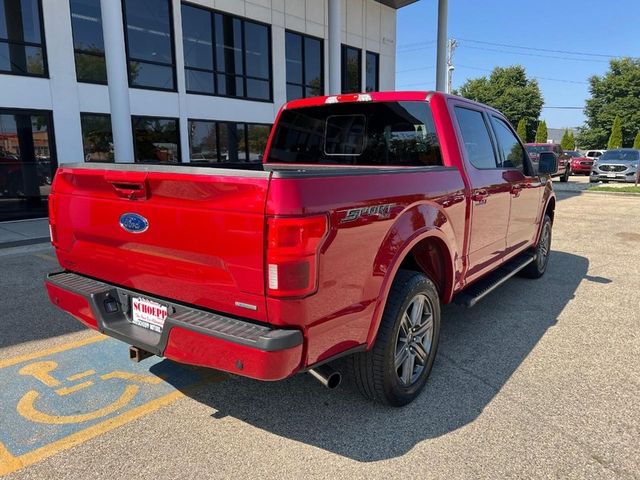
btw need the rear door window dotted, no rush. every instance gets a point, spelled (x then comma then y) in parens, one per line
(512, 153)
(367, 134)
(476, 138)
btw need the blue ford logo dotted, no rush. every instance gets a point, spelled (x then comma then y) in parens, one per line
(134, 223)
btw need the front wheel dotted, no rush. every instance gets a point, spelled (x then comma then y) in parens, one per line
(542, 250)
(395, 370)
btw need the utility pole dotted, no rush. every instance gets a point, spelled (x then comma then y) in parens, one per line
(441, 54)
(451, 46)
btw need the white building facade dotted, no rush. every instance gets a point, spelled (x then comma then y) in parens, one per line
(169, 81)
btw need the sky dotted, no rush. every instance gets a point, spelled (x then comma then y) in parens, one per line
(567, 41)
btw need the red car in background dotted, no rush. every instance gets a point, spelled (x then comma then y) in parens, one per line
(580, 164)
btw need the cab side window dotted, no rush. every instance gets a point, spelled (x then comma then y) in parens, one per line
(475, 135)
(513, 154)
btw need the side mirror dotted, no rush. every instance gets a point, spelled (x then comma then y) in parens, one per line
(547, 163)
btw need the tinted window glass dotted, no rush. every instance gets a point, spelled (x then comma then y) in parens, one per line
(304, 66)
(149, 42)
(380, 133)
(257, 137)
(475, 135)
(86, 23)
(27, 164)
(256, 44)
(216, 49)
(351, 70)
(372, 80)
(512, 151)
(156, 140)
(21, 42)
(625, 155)
(97, 138)
(203, 141)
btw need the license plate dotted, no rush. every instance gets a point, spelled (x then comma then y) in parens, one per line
(611, 175)
(148, 314)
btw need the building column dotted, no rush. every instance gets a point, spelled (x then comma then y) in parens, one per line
(116, 60)
(335, 41)
(181, 83)
(63, 86)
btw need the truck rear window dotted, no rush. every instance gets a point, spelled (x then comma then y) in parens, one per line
(375, 134)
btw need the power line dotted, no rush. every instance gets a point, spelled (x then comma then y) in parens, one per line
(415, 69)
(537, 78)
(564, 108)
(536, 54)
(570, 52)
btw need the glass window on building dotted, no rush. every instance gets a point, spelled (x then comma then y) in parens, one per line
(27, 163)
(22, 47)
(225, 55)
(221, 142)
(351, 69)
(305, 77)
(372, 82)
(156, 140)
(88, 43)
(97, 138)
(149, 36)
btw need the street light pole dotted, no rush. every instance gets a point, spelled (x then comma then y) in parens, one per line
(441, 60)
(451, 46)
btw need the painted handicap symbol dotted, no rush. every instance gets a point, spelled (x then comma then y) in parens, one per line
(42, 371)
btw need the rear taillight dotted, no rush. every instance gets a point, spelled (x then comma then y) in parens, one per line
(52, 219)
(293, 247)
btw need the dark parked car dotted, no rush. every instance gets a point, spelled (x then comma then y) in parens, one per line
(534, 150)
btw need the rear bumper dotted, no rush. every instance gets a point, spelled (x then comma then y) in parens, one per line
(189, 335)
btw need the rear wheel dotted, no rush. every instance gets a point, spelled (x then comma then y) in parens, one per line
(565, 176)
(542, 250)
(395, 370)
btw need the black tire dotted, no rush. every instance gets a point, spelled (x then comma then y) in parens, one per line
(374, 371)
(542, 251)
(565, 176)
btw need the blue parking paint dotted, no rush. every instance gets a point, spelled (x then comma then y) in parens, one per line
(40, 405)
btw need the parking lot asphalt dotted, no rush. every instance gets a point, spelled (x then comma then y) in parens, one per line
(539, 380)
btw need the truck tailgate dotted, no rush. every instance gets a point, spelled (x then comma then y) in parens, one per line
(203, 242)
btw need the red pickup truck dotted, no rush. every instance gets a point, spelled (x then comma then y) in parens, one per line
(368, 213)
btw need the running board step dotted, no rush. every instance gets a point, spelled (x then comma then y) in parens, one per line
(476, 292)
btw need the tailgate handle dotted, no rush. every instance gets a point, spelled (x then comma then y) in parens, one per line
(130, 190)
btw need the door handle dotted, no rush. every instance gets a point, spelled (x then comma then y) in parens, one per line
(480, 196)
(131, 190)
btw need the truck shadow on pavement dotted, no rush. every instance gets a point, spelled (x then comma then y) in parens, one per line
(27, 314)
(480, 349)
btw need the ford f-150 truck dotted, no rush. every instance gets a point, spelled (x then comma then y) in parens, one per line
(368, 212)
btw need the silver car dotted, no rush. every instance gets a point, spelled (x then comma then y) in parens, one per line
(620, 165)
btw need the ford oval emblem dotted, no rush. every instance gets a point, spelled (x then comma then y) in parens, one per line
(134, 223)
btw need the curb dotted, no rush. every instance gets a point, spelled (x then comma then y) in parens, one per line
(21, 243)
(615, 194)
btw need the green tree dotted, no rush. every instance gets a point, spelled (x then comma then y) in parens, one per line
(636, 142)
(616, 93)
(541, 132)
(572, 140)
(509, 90)
(615, 139)
(566, 142)
(522, 130)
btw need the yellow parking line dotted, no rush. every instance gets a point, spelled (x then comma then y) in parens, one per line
(11, 463)
(80, 375)
(75, 388)
(43, 353)
(44, 256)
